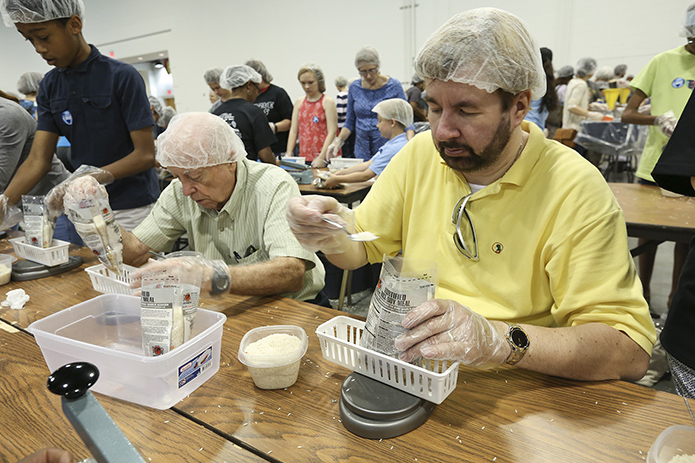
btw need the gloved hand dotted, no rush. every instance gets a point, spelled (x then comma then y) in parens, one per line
(54, 198)
(319, 163)
(443, 329)
(334, 147)
(10, 215)
(667, 122)
(188, 269)
(594, 116)
(596, 106)
(304, 217)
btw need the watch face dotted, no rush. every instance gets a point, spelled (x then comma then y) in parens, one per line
(519, 338)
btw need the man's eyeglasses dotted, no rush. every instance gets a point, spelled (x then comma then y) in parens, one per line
(459, 240)
(369, 71)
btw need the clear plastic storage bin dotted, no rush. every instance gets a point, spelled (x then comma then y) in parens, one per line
(673, 442)
(340, 343)
(52, 256)
(108, 281)
(105, 331)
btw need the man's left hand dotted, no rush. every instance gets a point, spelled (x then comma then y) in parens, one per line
(186, 269)
(444, 329)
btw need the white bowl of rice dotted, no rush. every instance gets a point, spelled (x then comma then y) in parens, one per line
(675, 444)
(273, 354)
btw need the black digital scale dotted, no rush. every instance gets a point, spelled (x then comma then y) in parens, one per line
(24, 270)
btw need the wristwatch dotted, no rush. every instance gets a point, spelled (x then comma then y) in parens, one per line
(518, 340)
(220, 278)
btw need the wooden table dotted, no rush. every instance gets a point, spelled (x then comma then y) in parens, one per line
(508, 414)
(653, 216)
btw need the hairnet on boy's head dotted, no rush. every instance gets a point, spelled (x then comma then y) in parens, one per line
(340, 81)
(565, 71)
(260, 68)
(38, 11)
(197, 140)
(29, 82)
(236, 76)
(367, 55)
(395, 108)
(157, 105)
(316, 70)
(212, 76)
(486, 47)
(604, 73)
(167, 114)
(585, 67)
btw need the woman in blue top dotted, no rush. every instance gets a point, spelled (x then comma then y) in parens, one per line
(363, 95)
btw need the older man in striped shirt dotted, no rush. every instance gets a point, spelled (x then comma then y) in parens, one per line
(233, 212)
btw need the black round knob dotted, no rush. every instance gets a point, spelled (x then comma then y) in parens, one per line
(73, 380)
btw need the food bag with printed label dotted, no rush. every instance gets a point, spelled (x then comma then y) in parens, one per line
(168, 304)
(87, 206)
(403, 285)
(38, 226)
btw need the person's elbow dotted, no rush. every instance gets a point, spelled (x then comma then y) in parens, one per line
(628, 116)
(636, 363)
(294, 272)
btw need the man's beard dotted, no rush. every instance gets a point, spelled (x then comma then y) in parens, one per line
(475, 162)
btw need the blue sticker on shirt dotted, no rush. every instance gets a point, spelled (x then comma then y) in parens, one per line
(316, 119)
(678, 82)
(67, 117)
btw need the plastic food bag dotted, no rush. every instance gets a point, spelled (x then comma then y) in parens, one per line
(403, 285)
(168, 305)
(38, 226)
(87, 205)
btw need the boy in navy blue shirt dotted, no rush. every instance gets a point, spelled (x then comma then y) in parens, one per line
(98, 103)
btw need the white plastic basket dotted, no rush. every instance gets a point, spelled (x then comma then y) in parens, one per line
(340, 338)
(55, 255)
(109, 282)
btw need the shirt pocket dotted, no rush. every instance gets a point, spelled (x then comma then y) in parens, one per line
(96, 110)
(253, 258)
(61, 116)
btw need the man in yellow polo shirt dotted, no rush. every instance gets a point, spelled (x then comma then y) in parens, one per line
(531, 246)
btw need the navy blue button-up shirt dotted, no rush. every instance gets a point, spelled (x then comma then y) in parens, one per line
(96, 106)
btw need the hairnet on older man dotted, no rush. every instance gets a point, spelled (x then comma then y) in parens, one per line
(196, 140)
(367, 55)
(317, 71)
(157, 105)
(258, 66)
(236, 76)
(395, 108)
(604, 73)
(29, 82)
(485, 47)
(688, 29)
(38, 11)
(585, 67)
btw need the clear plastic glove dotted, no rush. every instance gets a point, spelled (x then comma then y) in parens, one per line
(594, 116)
(304, 217)
(319, 163)
(186, 268)
(596, 106)
(443, 329)
(667, 122)
(334, 147)
(54, 198)
(10, 214)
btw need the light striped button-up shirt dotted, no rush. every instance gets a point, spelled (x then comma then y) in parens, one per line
(250, 228)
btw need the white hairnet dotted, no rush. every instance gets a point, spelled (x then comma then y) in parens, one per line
(157, 105)
(486, 47)
(620, 69)
(585, 67)
(29, 82)
(565, 71)
(236, 76)
(167, 114)
(197, 140)
(416, 79)
(367, 55)
(688, 29)
(604, 73)
(258, 66)
(395, 108)
(212, 76)
(38, 11)
(317, 71)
